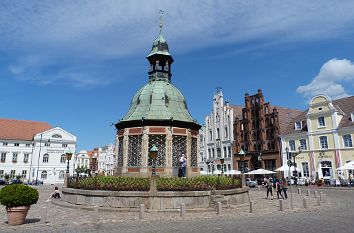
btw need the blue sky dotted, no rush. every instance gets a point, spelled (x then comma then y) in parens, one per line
(77, 64)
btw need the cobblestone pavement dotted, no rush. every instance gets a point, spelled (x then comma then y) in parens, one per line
(335, 214)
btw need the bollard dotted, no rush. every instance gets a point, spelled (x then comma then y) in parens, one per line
(44, 215)
(251, 206)
(299, 191)
(281, 207)
(141, 211)
(308, 192)
(304, 203)
(324, 197)
(315, 194)
(318, 201)
(259, 188)
(218, 208)
(182, 211)
(321, 196)
(95, 215)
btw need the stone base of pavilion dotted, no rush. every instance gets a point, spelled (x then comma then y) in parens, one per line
(156, 201)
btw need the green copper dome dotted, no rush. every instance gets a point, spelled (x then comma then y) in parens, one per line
(158, 100)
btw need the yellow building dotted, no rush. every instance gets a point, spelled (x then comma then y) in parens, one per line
(321, 137)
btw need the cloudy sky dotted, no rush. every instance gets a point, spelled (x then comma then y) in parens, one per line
(77, 64)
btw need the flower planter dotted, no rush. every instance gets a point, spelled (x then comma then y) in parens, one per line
(17, 215)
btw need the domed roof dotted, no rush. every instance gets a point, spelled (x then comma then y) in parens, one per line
(158, 100)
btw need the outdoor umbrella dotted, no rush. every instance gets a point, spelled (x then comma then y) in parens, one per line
(285, 168)
(347, 166)
(232, 172)
(260, 172)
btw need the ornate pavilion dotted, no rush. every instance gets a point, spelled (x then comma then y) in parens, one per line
(158, 115)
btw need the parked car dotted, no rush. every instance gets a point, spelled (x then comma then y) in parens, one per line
(15, 181)
(37, 182)
(3, 182)
(250, 182)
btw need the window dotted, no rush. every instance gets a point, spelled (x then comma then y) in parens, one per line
(16, 144)
(209, 153)
(226, 132)
(229, 149)
(4, 143)
(62, 158)
(14, 157)
(61, 175)
(45, 158)
(292, 145)
(25, 158)
(47, 144)
(303, 144)
(211, 135)
(44, 175)
(217, 133)
(24, 173)
(305, 169)
(213, 153)
(323, 142)
(3, 157)
(347, 139)
(12, 173)
(28, 145)
(225, 152)
(298, 125)
(64, 145)
(321, 122)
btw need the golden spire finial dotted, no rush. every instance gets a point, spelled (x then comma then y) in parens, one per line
(161, 12)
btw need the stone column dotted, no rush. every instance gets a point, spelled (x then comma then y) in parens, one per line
(188, 154)
(125, 151)
(169, 168)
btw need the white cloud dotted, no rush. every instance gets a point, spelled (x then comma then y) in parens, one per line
(330, 80)
(94, 31)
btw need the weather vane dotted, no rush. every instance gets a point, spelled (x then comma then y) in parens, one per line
(161, 12)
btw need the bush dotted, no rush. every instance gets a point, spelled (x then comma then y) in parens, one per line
(18, 195)
(111, 183)
(199, 183)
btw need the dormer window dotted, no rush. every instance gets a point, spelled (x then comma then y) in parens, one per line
(298, 125)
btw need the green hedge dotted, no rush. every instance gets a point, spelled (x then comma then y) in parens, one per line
(199, 183)
(112, 183)
(15, 195)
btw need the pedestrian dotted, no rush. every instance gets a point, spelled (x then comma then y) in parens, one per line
(285, 188)
(269, 186)
(183, 164)
(279, 188)
(350, 180)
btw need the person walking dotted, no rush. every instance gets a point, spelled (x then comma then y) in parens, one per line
(279, 188)
(269, 187)
(350, 180)
(285, 187)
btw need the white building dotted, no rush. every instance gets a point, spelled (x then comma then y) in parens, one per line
(82, 160)
(216, 135)
(35, 150)
(106, 159)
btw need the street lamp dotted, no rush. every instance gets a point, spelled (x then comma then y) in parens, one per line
(242, 158)
(293, 155)
(260, 160)
(68, 158)
(153, 154)
(222, 160)
(208, 162)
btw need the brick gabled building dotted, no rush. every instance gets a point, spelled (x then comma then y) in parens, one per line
(257, 133)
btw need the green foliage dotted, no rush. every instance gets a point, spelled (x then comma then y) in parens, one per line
(18, 195)
(199, 183)
(18, 177)
(7, 176)
(81, 169)
(111, 183)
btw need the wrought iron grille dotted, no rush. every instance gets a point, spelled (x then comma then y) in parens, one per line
(134, 151)
(160, 142)
(179, 144)
(120, 152)
(194, 155)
